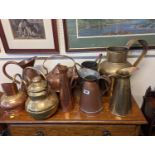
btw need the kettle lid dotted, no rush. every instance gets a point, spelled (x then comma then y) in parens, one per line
(37, 85)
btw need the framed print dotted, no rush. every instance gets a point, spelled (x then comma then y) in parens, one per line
(97, 34)
(29, 35)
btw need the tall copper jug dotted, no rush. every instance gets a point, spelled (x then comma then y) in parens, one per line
(117, 57)
(65, 89)
(53, 75)
(91, 101)
(28, 74)
(121, 96)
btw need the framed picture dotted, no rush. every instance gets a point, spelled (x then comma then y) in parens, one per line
(97, 34)
(29, 35)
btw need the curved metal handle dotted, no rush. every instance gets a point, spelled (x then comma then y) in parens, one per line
(33, 68)
(144, 45)
(56, 56)
(5, 72)
(39, 133)
(106, 132)
(107, 84)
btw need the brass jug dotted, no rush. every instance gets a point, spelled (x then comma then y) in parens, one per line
(117, 57)
(120, 101)
(42, 102)
(12, 98)
(28, 74)
(53, 76)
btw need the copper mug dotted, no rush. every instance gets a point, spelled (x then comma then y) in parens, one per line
(91, 95)
(22, 64)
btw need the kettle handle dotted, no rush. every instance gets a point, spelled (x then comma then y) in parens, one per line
(6, 73)
(33, 68)
(144, 44)
(108, 82)
(56, 56)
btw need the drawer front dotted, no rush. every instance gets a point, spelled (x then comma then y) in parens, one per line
(72, 130)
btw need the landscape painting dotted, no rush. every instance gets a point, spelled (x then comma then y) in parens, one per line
(114, 27)
(27, 28)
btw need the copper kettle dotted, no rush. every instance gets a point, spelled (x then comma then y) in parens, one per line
(117, 57)
(53, 76)
(12, 98)
(28, 74)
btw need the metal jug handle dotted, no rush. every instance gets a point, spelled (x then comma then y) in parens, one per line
(56, 56)
(144, 44)
(107, 84)
(21, 80)
(33, 68)
(6, 73)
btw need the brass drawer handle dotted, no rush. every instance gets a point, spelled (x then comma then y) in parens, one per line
(39, 133)
(106, 133)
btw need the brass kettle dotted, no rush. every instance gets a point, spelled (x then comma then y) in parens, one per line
(53, 77)
(42, 102)
(117, 57)
(12, 98)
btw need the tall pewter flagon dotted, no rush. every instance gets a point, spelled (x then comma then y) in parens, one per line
(121, 96)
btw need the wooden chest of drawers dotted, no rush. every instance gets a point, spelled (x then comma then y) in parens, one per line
(75, 123)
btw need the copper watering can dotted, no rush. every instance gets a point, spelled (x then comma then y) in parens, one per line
(53, 76)
(13, 98)
(117, 57)
(28, 74)
(91, 96)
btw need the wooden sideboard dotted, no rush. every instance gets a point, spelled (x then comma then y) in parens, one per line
(74, 122)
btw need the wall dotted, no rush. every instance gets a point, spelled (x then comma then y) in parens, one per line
(144, 77)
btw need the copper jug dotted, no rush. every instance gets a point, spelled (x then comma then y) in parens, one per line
(53, 76)
(65, 89)
(91, 96)
(12, 98)
(29, 73)
(120, 100)
(42, 102)
(117, 57)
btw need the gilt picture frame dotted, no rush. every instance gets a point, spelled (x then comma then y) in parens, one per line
(29, 35)
(98, 34)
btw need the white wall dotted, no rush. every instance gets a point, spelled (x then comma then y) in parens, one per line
(143, 78)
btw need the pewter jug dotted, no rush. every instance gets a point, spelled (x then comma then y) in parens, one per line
(117, 57)
(53, 76)
(28, 74)
(12, 98)
(120, 101)
(42, 102)
(91, 96)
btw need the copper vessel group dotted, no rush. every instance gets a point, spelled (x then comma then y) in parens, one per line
(43, 94)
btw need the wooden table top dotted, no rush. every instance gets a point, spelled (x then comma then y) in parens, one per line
(75, 116)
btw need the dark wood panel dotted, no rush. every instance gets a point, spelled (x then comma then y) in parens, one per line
(72, 130)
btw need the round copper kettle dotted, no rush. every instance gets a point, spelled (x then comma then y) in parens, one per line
(53, 77)
(12, 98)
(117, 57)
